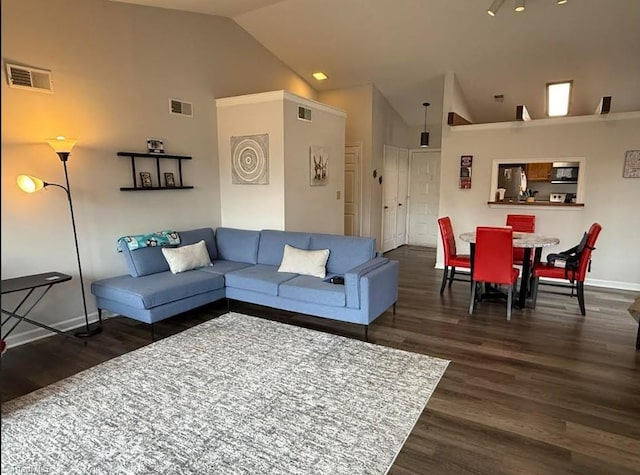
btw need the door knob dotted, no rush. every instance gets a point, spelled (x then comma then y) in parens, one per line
(399, 204)
(386, 207)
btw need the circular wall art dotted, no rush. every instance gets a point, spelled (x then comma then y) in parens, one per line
(250, 159)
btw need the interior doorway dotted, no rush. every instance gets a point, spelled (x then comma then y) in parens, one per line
(424, 197)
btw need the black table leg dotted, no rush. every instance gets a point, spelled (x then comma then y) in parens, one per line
(527, 273)
(524, 281)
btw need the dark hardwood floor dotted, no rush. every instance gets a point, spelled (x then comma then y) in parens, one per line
(549, 392)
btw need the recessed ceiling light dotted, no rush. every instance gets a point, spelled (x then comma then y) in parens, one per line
(519, 5)
(561, 2)
(320, 76)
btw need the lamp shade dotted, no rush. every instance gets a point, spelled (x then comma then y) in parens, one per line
(30, 184)
(62, 144)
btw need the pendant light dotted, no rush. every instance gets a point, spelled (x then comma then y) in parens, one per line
(424, 136)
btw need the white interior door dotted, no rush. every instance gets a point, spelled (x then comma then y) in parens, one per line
(390, 198)
(402, 197)
(424, 197)
(352, 179)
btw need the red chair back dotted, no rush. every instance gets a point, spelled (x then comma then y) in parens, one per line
(448, 239)
(524, 223)
(585, 257)
(493, 261)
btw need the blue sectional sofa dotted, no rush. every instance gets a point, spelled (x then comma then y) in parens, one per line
(245, 268)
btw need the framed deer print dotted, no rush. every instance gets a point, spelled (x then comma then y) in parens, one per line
(319, 165)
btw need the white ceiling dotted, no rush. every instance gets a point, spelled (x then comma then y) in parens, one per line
(404, 47)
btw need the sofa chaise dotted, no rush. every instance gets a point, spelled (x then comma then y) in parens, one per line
(245, 268)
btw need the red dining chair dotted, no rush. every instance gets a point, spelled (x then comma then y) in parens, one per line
(493, 262)
(451, 258)
(524, 223)
(574, 276)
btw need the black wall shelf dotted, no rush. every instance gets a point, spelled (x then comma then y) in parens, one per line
(136, 187)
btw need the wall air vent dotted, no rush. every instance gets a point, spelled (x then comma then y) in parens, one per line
(178, 107)
(304, 113)
(23, 77)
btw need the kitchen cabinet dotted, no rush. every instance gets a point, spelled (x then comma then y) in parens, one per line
(539, 171)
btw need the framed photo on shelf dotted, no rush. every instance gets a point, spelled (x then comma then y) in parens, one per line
(169, 180)
(145, 180)
(155, 146)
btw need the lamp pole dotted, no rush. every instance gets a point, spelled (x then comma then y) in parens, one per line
(62, 146)
(64, 156)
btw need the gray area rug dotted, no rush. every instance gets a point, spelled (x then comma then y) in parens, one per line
(234, 395)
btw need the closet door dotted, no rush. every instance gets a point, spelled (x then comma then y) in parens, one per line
(424, 197)
(402, 197)
(395, 191)
(389, 198)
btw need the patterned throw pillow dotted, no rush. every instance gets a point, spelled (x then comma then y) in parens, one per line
(159, 238)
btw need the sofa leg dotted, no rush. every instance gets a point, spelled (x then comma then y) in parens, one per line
(394, 307)
(100, 316)
(153, 333)
(366, 333)
(228, 305)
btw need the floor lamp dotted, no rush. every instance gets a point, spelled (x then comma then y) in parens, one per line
(31, 184)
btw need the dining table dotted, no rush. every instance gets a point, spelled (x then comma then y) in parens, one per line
(526, 241)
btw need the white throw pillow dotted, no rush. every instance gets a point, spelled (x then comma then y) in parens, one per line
(185, 258)
(304, 262)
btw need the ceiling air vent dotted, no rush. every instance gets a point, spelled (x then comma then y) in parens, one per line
(23, 77)
(304, 113)
(178, 107)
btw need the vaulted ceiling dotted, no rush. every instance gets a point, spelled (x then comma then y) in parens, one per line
(404, 47)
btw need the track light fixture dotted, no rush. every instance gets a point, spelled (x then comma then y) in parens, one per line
(495, 6)
(520, 6)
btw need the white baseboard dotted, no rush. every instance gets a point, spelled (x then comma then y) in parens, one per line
(36, 333)
(607, 284)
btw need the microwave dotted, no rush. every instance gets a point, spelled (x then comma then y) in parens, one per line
(565, 172)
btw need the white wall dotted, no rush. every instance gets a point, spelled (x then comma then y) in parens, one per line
(388, 129)
(114, 67)
(313, 208)
(609, 199)
(455, 100)
(372, 121)
(288, 201)
(252, 206)
(358, 104)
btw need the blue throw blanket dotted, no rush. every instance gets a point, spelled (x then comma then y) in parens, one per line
(159, 238)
